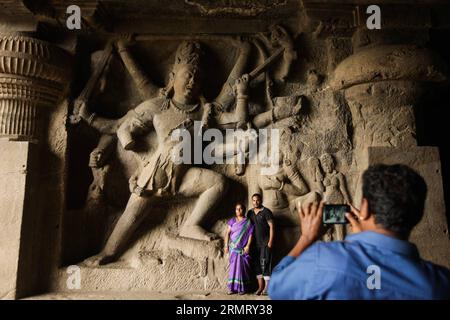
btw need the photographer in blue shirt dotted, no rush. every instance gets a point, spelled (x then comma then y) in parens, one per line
(376, 261)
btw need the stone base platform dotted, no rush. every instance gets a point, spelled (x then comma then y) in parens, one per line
(145, 295)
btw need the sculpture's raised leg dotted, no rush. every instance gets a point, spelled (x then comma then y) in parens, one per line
(211, 187)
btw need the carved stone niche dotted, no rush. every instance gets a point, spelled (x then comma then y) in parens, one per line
(33, 77)
(382, 86)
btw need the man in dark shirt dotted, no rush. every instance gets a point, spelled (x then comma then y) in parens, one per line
(262, 218)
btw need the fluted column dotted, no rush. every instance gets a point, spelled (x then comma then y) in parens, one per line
(33, 77)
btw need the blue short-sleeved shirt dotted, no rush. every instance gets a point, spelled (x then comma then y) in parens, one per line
(347, 269)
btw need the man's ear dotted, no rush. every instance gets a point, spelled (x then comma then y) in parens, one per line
(364, 212)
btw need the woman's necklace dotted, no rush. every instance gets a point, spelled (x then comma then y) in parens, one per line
(184, 108)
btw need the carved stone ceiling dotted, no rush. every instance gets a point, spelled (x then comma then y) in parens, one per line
(164, 16)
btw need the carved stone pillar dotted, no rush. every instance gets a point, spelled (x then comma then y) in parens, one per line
(383, 86)
(33, 77)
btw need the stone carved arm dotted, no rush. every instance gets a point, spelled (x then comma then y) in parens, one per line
(225, 96)
(277, 113)
(297, 185)
(102, 152)
(288, 107)
(144, 84)
(146, 110)
(136, 124)
(264, 119)
(102, 125)
(241, 111)
(229, 119)
(239, 117)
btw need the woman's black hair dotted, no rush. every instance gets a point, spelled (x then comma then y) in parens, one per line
(239, 203)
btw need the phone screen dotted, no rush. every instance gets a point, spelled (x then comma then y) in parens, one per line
(335, 213)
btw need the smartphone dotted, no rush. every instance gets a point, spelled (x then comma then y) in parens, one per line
(335, 213)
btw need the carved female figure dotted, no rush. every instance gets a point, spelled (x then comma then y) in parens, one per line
(334, 182)
(335, 189)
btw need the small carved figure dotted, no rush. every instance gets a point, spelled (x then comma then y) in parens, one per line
(335, 189)
(333, 182)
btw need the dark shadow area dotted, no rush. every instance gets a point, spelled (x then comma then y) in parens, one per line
(433, 121)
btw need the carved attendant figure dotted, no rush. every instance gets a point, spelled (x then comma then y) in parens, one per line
(333, 181)
(335, 188)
